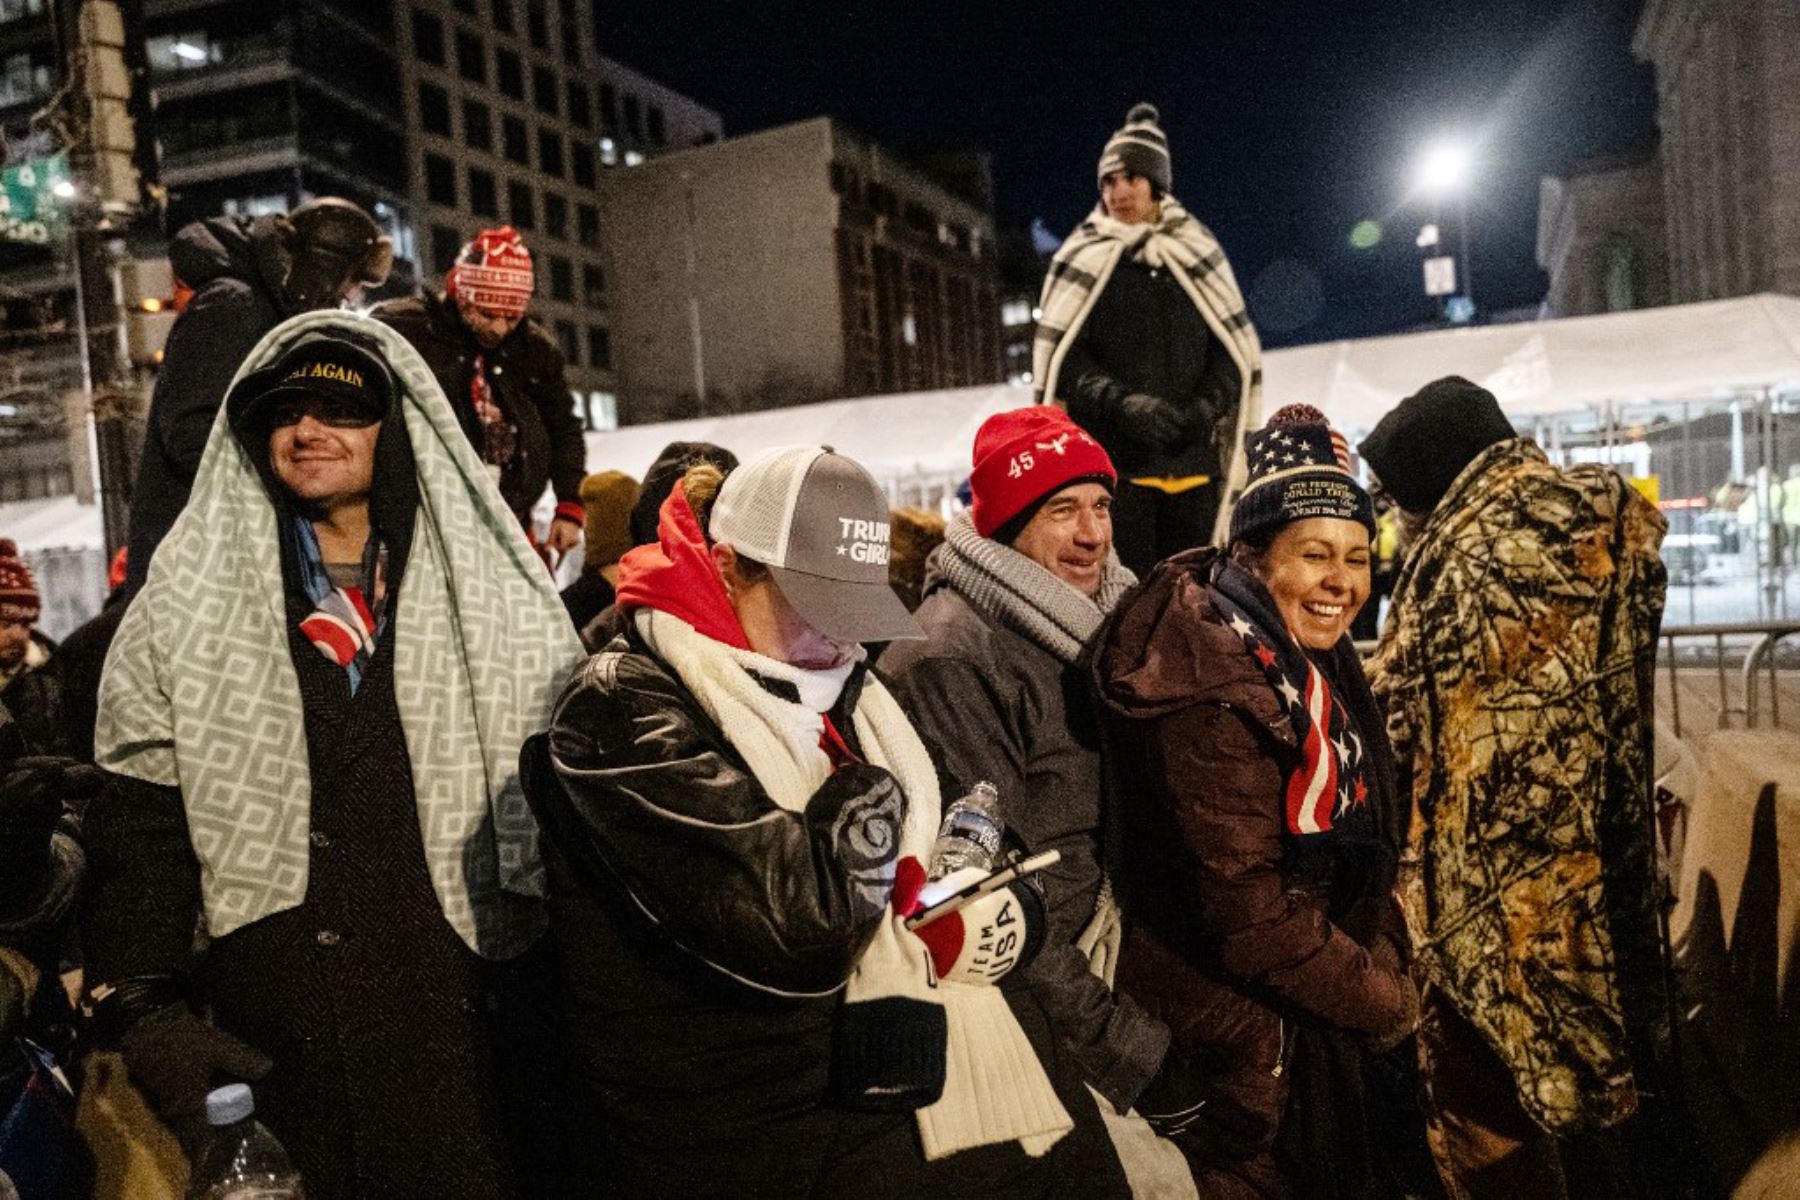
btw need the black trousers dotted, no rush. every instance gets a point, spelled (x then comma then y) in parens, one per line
(1150, 525)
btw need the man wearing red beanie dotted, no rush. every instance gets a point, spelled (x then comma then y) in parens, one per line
(503, 374)
(28, 683)
(1022, 582)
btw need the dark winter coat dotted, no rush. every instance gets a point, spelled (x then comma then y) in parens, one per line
(525, 377)
(991, 705)
(81, 660)
(35, 699)
(1231, 934)
(705, 947)
(1145, 335)
(233, 305)
(587, 598)
(370, 1005)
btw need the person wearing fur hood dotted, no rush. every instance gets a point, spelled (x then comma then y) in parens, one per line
(738, 819)
(1144, 339)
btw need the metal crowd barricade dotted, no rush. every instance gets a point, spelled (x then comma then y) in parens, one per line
(1717, 647)
(1693, 646)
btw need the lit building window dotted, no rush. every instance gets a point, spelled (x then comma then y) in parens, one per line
(1015, 312)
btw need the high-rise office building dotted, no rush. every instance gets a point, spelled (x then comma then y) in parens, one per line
(438, 116)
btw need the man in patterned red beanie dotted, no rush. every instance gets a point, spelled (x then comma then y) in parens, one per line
(28, 688)
(504, 375)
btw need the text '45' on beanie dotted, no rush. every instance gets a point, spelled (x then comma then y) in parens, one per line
(1139, 147)
(1419, 448)
(1026, 455)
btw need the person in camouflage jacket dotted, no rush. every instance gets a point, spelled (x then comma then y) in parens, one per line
(1517, 669)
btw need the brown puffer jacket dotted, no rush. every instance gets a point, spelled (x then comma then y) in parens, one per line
(1228, 940)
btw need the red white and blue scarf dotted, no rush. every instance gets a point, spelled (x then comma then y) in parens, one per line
(1328, 788)
(345, 624)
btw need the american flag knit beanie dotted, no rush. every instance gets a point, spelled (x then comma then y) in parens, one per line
(1299, 468)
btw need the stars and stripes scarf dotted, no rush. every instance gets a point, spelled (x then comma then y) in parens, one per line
(346, 622)
(1328, 789)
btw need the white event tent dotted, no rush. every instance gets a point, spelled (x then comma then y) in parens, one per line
(915, 441)
(918, 443)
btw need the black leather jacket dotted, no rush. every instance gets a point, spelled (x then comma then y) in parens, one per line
(648, 794)
(704, 933)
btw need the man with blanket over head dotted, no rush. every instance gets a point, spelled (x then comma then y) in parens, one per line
(1144, 339)
(737, 822)
(313, 713)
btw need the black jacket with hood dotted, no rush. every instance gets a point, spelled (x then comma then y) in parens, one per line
(525, 376)
(232, 264)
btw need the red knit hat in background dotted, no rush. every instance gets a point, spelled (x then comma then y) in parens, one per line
(19, 600)
(1025, 455)
(493, 273)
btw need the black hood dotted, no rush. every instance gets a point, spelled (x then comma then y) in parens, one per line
(219, 248)
(394, 501)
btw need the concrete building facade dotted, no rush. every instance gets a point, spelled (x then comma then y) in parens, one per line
(640, 118)
(1716, 211)
(1728, 105)
(797, 264)
(1601, 238)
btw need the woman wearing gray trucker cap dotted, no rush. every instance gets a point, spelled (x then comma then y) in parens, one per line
(737, 820)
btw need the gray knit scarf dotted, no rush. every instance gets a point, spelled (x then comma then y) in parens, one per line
(1005, 585)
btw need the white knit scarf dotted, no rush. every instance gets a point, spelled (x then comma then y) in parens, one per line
(995, 1088)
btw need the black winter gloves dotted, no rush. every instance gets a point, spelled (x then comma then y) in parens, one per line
(1153, 420)
(176, 1059)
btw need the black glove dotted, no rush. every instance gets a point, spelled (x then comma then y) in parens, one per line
(176, 1059)
(1153, 420)
(1184, 1102)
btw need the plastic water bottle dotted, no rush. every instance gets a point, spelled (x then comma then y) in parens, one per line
(970, 834)
(243, 1160)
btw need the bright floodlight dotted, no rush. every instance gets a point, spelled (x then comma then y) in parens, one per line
(64, 190)
(1445, 167)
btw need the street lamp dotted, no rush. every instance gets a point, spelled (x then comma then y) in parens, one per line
(1445, 167)
(1444, 170)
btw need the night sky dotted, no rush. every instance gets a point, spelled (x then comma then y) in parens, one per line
(1289, 123)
